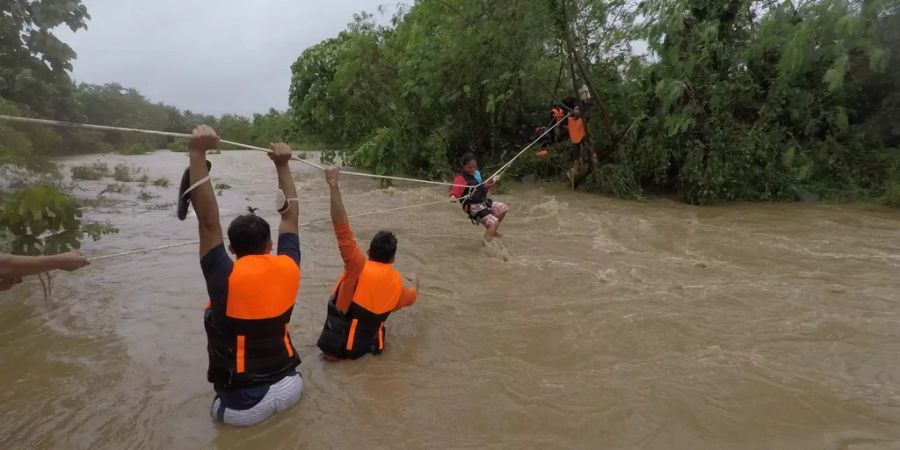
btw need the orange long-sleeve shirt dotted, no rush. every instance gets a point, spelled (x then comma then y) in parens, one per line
(354, 261)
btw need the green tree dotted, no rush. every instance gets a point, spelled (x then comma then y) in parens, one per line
(34, 63)
(38, 217)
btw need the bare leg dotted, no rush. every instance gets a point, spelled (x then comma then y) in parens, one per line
(500, 218)
(491, 232)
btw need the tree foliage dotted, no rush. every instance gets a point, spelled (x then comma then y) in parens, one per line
(712, 99)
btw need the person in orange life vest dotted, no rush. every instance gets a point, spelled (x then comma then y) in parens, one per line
(252, 360)
(369, 290)
(577, 129)
(582, 153)
(475, 200)
(556, 114)
(13, 268)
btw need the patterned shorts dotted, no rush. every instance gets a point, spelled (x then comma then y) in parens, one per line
(497, 209)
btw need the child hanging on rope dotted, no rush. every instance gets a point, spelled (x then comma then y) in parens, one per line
(475, 200)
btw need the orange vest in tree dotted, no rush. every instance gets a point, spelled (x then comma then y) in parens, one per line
(558, 114)
(576, 130)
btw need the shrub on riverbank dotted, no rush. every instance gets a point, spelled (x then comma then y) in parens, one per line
(92, 172)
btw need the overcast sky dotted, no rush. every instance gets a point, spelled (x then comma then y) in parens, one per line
(210, 56)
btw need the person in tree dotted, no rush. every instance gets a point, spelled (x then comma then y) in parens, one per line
(252, 360)
(14, 268)
(471, 191)
(369, 290)
(583, 155)
(556, 114)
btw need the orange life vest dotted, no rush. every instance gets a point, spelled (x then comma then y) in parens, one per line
(252, 345)
(557, 113)
(361, 330)
(576, 130)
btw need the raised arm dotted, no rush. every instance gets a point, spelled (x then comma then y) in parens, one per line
(354, 258)
(338, 213)
(203, 197)
(290, 217)
(14, 266)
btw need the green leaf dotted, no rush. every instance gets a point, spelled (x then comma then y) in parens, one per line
(878, 59)
(788, 157)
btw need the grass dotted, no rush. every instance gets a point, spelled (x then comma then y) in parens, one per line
(145, 196)
(160, 206)
(223, 187)
(93, 171)
(136, 148)
(892, 191)
(122, 172)
(161, 182)
(178, 145)
(125, 174)
(118, 188)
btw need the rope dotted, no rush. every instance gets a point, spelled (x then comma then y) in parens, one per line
(509, 163)
(58, 123)
(302, 161)
(182, 244)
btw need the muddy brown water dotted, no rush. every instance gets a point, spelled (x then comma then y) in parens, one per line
(613, 325)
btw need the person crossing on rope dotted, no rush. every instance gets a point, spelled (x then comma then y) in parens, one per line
(369, 290)
(252, 360)
(14, 268)
(475, 201)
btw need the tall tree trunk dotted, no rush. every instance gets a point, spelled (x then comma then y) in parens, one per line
(572, 72)
(570, 42)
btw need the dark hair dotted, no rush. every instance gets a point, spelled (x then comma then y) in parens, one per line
(468, 157)
(383, 247)
(249, 235)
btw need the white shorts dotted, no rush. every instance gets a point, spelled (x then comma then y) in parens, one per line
(281, 396)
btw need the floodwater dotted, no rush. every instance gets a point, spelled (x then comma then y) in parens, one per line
(612, 325)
